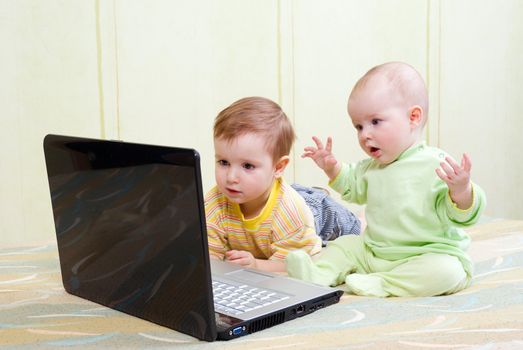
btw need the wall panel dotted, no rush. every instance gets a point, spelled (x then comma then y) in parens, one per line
(335, 43)
(481, 93)
(49, 85)
(180, 63)
(159, 71)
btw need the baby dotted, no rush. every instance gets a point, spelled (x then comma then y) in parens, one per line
(254, 218)
(417, 198)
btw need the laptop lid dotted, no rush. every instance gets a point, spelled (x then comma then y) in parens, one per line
(130, 228)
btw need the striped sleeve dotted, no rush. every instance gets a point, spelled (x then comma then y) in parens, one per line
(216, 234)
(293, 226)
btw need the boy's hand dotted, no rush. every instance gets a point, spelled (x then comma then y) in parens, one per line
(457, 178)
(241, 257)
(246, 259)
(323, 157)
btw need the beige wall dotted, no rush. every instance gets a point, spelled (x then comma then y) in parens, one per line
(159, 71)
(481, 96)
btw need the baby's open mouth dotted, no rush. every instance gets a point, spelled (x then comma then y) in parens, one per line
(374, 149)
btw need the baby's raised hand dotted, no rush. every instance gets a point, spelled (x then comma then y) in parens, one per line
(323, 156)
(457, 177)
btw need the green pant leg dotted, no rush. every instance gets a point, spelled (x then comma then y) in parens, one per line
(424, 275)
(338, 259)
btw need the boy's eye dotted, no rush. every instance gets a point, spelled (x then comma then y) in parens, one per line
(248, 166)
(375, 121)
(358, 127)
(223, 162)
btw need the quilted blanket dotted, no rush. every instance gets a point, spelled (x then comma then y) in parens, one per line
(36, 312)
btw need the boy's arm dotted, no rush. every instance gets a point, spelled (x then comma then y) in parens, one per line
(304, 238)
(246, 259)
(216, 233)
(216, 242)
(270, 265)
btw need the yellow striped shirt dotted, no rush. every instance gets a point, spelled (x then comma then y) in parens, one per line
(284, 224)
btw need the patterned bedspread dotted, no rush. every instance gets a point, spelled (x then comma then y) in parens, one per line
(36, 312)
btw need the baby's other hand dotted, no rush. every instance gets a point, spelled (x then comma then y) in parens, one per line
(241, 257)
(457, 178)
(323, 156)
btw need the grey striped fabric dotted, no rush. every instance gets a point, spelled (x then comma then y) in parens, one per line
(331, 218)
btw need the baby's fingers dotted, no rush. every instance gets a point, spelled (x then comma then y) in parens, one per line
(441, 174)
(445, 176)
(309, 152)
(310, 149)
(328, 147)
(466, 164)
(318, 142)
(233, 255)
(447, 168)
(454, 166)
(446, 172)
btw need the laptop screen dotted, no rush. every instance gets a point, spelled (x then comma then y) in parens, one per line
(130, 227)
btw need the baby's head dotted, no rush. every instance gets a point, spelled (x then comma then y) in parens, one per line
(260, 116)
(252, 141)
(388, 107)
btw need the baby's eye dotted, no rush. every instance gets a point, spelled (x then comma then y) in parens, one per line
(248, 166)
(375, 121)
(358, 127)
(223, 162)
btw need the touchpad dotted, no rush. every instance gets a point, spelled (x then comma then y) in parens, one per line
(248, 276)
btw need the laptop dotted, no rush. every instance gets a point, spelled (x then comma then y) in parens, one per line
(131, 235)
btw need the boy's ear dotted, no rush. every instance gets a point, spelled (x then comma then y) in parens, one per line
(416, 116)
(280, 166)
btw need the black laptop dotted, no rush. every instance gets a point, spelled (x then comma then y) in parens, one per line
(131, 235)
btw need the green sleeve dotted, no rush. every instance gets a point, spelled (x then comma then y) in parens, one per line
(458, 217)
(351, 182)
(468, 216)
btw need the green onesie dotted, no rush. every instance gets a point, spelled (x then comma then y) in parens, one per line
(414, 244)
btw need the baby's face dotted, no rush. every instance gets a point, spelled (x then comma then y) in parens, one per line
(244, 170)
(381, 119)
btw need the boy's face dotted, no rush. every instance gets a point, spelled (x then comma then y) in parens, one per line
(244, 171)
(382, 121)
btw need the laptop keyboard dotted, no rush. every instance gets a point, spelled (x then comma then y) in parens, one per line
(235, 299)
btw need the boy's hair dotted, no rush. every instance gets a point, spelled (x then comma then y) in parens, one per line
(404, 79)
(260, 116)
